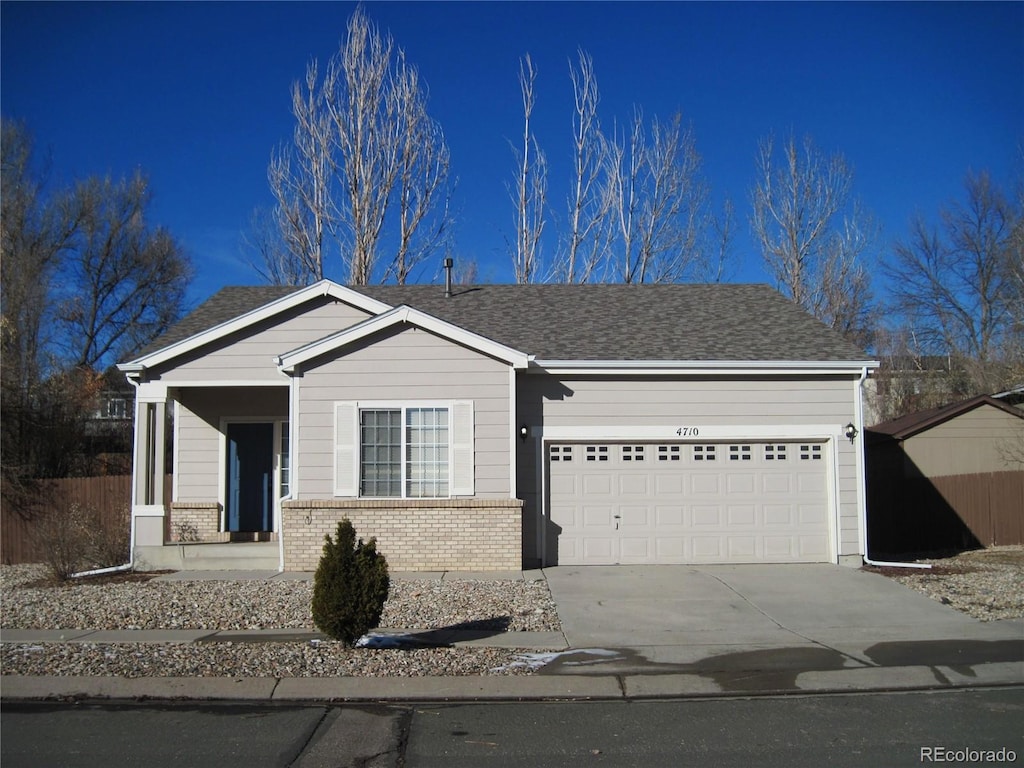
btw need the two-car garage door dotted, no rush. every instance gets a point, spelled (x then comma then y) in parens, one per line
(739, 502)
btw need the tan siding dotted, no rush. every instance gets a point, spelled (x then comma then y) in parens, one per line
(403, 366)
(967, 444)
(655, 401)
(198, 452)
(249, 355)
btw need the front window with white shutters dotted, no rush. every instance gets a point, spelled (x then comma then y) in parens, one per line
(414, 451)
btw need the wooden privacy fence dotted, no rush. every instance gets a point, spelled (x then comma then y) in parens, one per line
(110, 496)
(990, 504)
(922, 514)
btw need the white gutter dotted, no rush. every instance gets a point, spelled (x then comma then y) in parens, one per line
(861, 481)
(705, 367)
(853, 365)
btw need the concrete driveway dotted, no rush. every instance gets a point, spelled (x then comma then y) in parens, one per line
(678, 618)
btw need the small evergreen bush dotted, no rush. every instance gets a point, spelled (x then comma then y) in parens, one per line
(350, 586)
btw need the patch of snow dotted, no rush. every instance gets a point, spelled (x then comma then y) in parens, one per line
(375, 640)
(535, 661)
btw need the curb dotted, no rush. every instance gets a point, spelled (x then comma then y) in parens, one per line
(15, 688)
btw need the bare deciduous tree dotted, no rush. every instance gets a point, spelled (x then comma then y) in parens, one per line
(659, 201)
(423, 166)
(816, 255)
(124, 281)
(299, 175)
(35, 231)
(85, 279)
(587, 238)
(955, 286)
(529, 190)
(364, 152)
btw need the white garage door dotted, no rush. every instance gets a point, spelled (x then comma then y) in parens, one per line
(689, 503)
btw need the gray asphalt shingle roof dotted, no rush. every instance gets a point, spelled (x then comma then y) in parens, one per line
(727, 322)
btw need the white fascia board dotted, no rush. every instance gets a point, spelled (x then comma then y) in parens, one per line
(400, 314)
(703, 367)
(267, 311)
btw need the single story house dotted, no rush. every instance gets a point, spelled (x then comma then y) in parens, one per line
(947, 478)
(503, 426)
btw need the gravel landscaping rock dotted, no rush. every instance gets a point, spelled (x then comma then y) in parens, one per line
(133, 602)
(987, 584)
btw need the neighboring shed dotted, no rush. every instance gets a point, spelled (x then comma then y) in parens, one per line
(947, 478)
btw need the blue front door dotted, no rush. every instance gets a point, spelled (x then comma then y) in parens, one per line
(250, 475)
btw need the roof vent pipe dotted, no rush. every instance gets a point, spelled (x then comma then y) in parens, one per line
(448, 277)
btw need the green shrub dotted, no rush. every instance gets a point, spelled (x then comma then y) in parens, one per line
(350, 586)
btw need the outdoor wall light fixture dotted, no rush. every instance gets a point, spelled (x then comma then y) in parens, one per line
(523, 431)
(851, 432)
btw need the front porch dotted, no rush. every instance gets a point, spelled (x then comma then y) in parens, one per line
(227, 449)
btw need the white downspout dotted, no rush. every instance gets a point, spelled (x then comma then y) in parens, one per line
(862, 483)
(131, 512)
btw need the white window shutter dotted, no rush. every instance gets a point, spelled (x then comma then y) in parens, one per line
(346, 475)
(463, 464)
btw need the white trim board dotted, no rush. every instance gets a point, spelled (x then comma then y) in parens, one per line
(706, 432)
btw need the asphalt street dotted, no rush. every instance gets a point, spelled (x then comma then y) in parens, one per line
(875, 729)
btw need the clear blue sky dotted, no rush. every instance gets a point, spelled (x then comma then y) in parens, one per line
(196, 94)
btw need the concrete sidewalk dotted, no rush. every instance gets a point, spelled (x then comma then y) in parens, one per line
(634, 633)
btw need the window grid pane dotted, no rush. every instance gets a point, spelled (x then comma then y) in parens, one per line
(426, 436)
(381, 452)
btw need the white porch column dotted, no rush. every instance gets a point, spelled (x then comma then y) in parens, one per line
(148, 471)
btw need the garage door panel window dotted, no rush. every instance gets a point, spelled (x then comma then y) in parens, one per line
(739, 453)
(810, 453)
(632, 453)
(668, 453)
(703, 453)
(561, 453)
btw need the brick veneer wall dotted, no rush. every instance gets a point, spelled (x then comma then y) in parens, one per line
(414, 535)
(198, 518)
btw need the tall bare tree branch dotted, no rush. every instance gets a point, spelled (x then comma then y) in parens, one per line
(817, 257)
(367, 168)
(587, 238)
(529, 192)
